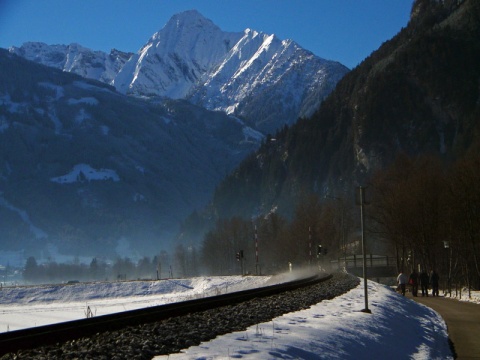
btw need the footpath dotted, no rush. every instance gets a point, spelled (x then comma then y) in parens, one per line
(463, 322)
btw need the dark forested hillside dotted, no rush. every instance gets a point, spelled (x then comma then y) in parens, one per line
(418, 93)
(87, 169)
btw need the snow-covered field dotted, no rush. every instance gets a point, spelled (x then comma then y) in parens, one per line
(29, 306)
(397, 328)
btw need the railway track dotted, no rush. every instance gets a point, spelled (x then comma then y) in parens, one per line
(62, 332)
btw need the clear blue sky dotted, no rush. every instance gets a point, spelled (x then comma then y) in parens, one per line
(341, 30)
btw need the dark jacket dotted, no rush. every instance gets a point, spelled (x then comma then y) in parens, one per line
(424, 278)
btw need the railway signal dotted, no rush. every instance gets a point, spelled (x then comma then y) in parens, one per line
(239, 257)
(321, 250)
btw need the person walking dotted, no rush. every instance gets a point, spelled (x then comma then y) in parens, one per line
(413, 281)
(434, 279)
(402, 281)
(424, 282)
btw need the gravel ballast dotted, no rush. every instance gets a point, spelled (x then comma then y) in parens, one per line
(174, 334)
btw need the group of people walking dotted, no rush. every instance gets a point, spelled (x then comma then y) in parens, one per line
(423, 278)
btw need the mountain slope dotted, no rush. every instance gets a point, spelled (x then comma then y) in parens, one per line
(76, 59)
(418, 93)
(87, 168)
(256, 76)
(268, 81)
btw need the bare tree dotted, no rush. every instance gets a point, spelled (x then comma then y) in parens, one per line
(464, 201)
(407, 209)
(221, 244)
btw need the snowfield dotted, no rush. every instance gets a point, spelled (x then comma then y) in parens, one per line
(397, 328)
(30, 306)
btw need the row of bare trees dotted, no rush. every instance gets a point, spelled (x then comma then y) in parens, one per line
(273, 244)
(430, 215)
(99, 269)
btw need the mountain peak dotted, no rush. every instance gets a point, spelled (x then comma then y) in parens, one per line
(189, 16)
(187, 47)
(186, 23)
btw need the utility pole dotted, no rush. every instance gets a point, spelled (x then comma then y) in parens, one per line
(257, 272)
(344, 244)
(361, 202)
(310, 244)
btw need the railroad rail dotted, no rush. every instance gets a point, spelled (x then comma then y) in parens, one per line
(61, 332)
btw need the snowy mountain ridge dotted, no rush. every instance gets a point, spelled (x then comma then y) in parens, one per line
(75, 58)
(192, 58)
(175, 58)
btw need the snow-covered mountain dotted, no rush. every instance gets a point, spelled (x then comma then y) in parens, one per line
(176, 58)
(268, 81)
(76, 59)
(257, 76)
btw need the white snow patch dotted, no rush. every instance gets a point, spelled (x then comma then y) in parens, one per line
(55, 119)
(86, 100)
(250, 133)
(89, 174)
(231, 109)
(39, 233)
(82, 116)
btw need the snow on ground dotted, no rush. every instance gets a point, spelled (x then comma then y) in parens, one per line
(30, 306)
(462, 295)
(397, 328)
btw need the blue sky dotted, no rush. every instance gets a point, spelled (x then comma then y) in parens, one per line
(343, 30)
